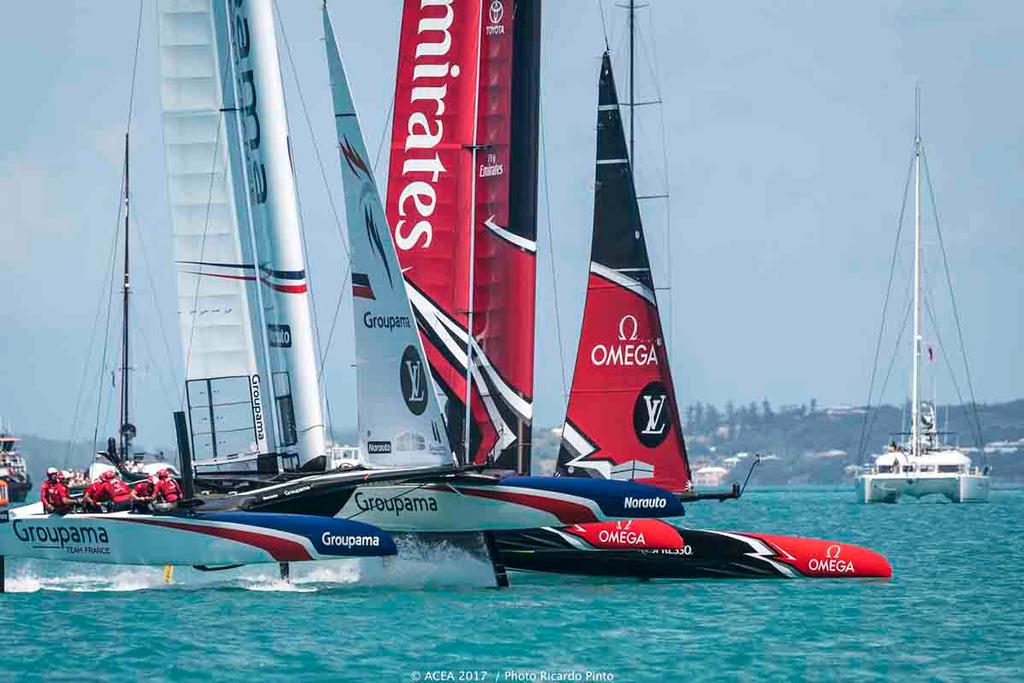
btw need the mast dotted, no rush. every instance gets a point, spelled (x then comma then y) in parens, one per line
(474, 148)
(524, 133)
(915, 389)
(124, 426)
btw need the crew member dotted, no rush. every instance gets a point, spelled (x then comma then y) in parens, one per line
(54, 493)
(143, 495)
(167, 489)
(92, 496)
(114, 492)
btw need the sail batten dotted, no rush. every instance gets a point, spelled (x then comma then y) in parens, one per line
(215, 328)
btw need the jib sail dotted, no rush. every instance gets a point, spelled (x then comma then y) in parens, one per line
(470, 268)
(622, 421)
(400, 422)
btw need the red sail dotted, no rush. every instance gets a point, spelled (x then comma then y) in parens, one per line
(448, 205)
(622, 420)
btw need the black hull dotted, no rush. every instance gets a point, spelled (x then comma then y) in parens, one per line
(692, 554)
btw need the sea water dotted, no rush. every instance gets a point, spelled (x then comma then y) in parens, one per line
(952, 612)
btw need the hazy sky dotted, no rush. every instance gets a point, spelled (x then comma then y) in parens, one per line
(788, 129)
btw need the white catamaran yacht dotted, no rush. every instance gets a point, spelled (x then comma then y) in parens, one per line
(923, 464)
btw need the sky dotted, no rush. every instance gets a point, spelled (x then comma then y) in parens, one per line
(783, 137)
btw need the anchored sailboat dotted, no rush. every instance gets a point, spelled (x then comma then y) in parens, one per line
(923, 464)
(622, 421)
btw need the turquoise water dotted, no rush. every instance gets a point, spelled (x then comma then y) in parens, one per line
(953, 612)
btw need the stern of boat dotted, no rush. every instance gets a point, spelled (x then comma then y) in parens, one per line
(972, 488)
(874, 488)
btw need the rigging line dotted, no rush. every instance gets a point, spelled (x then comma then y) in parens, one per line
(604, 26)
(302, 233)
(652, 64)
(106, 335)
(334, 210)
(309, 126)
(153, 293)
(95, 327)
(551, 256)
(952, 297)
(334, 321)
(653, 72)
(135, 64)
(885, 305)
(949, 368)
(319, 161)
(892, 362)
(312, 295)
(225, 72)
(383, 133)
(128, 124)
(202, 255)
(152, 359)
(928, 297)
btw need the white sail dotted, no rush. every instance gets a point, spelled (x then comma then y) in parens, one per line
(400, 422)
(216, 278)
(274, 215)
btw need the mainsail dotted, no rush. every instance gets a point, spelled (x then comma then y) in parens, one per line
(244, 301)
(217, 285)
(622, 421)
(470, 271)
(400, 422)
(274, 213)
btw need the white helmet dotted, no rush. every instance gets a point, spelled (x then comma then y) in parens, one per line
(51, 470)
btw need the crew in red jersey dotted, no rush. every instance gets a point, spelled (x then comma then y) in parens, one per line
(91, 497)
(143, 494)
(167, 489)
(114, 492)
(54, 493)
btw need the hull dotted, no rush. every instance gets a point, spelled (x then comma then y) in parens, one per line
(889, 488)
(653, 549)
(462, 503)
(228, 538)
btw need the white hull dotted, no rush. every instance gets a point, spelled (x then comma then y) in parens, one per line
(438, 504)
(445, 508)
(890, 487)
(224, 539)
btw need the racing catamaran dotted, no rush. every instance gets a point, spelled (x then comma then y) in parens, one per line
(177, 535)
(622, 421)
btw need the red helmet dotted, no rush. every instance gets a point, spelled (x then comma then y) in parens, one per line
(107, 475)
(164, 473)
